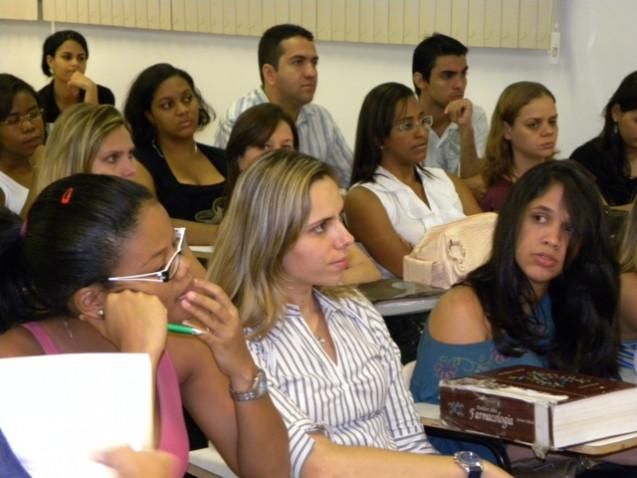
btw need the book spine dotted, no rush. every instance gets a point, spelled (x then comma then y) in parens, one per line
(500, 416)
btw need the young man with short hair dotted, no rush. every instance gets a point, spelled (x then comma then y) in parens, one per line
(288, 69)
(458, 135)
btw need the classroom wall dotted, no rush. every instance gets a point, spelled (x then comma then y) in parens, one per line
(598, 43)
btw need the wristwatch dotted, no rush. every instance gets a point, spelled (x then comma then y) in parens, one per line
(469, 462)
(258, 388)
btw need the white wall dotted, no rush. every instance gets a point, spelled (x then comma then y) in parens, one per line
(598, 50)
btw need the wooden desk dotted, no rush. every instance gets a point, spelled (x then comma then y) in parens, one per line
(430, 417)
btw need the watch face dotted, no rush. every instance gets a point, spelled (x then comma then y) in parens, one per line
(469, 458)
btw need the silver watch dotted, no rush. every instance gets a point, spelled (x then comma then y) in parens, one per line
(469, 462)
(258, 388)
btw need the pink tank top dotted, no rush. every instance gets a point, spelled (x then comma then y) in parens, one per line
(172, 437)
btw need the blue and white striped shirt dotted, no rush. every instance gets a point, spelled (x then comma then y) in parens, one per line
(359, 400)
(319, 136)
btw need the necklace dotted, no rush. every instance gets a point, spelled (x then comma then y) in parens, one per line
(160, 153)
(67, 327)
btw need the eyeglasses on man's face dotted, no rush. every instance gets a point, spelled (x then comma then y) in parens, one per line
(168, 272)
(407, 125)
(14, 119)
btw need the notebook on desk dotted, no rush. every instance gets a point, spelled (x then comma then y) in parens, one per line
(57, 411)
(397, 297)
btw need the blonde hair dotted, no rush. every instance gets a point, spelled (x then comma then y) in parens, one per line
(75, 139)
(628, 249)
(498, 156)
(269, 207)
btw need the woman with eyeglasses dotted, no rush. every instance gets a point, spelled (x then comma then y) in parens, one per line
(64, 60)
(523, 134)
(21, 136)
(394, 199)
(97, 267)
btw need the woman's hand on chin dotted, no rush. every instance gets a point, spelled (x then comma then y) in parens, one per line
(211, 307)
(134, 322)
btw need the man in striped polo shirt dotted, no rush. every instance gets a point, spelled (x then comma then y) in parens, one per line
(288, 68)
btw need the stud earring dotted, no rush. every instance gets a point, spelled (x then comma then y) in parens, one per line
(101, 313)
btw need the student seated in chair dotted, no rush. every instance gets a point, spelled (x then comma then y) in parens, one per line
(333, 371)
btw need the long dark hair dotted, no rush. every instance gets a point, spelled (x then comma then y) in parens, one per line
(375, 122)
(70, 239)
(253, 128)
(584, 297)
(625, 97)
(140, 97)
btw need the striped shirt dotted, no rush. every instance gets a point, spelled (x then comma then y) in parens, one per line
(319, 136)
(359, 400)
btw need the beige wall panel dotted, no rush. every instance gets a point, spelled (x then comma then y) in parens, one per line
(93, 12)
(190, 15)
(308, 14)
(153, 14)
(338, 20)
(395, 21)
(60, 10)
(366, 25)
(179, 19)
(106, 12)
(203, 16)
(82, 11)
(243, 18)
(475, 35)
(324, 20)
(118, 13)
(129, 14)
(427, 18)
(410, 22)
(48, 9)
(545, 24)
(268, 12)
(216, 16)
(528, 24)
(229, 17)
(443, 17)
(381, 21)
(71, 10)
(296, 12)
(492, 23)
(510, 23)
(460, 20)
(282, 12)
(255, 26)
(141, 13)
(352, 20)
(165, 14)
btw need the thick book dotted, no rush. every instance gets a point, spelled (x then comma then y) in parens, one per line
(546, 408)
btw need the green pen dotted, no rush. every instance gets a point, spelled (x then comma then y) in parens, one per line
(184, 329)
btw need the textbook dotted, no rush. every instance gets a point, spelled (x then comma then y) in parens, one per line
(57, 411)
(542, 407)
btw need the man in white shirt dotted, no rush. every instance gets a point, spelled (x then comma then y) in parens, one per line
(288, 68)
(458, 135)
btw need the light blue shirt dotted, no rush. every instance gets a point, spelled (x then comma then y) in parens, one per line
(444, 151)
(319, 136)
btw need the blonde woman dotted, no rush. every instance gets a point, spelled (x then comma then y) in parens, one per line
(333, 371)
(86, 138)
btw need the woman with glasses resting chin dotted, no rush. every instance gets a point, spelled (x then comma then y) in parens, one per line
(97, 267)
(394, 199)
(21, 136)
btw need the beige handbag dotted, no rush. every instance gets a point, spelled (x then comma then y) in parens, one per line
(447, 253)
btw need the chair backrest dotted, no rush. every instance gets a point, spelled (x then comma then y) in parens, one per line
(408, 371)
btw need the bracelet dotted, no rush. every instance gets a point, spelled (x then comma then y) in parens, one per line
(258, 388)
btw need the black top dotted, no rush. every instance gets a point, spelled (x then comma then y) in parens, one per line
(51, 110)
(183, 201)
(612, 181)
